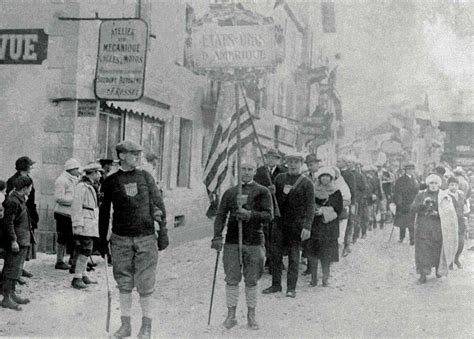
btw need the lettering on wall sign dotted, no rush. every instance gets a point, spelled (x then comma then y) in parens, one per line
(23, 46)
(121, 59)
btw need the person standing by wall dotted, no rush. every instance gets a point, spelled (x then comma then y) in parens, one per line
(256, 211)
(137, 204)
(64, 195)
(295, 196)
(18, 238)
(85, 223)
(24, 165)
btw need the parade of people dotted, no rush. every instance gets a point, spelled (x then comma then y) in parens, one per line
(226, 168)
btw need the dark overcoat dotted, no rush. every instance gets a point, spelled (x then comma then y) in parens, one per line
(404, 193)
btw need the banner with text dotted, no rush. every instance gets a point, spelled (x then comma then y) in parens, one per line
(23, 46)
(234, 46)
(121, 60)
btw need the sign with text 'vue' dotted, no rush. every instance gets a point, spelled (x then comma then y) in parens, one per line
(121, 60)
(23, 46)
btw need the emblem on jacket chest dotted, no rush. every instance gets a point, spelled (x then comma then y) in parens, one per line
(131, 189)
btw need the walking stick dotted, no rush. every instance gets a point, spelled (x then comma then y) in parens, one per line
(213, 287)
(393, 226)
(109, 296)
(239, 172)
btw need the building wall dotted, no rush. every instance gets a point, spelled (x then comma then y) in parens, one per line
(39, 107)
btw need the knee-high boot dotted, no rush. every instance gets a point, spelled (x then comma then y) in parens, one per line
(325, 266)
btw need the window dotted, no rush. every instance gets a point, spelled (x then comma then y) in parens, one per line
(184, 157)
(152, 142)
(109, 134)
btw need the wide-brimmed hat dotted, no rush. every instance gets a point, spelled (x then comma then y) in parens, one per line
(312, 158)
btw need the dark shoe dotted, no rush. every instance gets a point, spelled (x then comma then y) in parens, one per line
(125, 329)
(90, 267)
(251, 320)
(72, 269)
(61, 266)
(291, 294)
(8, 290)
(19, 300)
(451, 267)
(412, 242)
(145, 329)
(307, 272)
(26, 274)
(77, 283)
(272, 289)
(86, 280)
(16, 298)
(325, 283)
(400, 241)
(230, 321)
(438, 275)
(21, 281)
(458, 264)
(422, 279)
(313, 283)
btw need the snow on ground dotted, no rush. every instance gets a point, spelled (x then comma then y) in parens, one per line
(373, 293)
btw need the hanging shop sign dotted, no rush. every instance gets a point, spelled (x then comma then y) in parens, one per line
(23, 46)
(121, 60)
(234, 46)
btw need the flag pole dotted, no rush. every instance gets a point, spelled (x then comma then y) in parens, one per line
(239, 174)
(275, 201)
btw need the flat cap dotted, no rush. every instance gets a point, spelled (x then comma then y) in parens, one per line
(294, 155)
(92, 167)
(128, 146)
(71, 164)
(410, 166)
(103, 162)
(312, 158)
(273, 153)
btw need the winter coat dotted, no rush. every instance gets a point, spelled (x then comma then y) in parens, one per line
(431, 228)
(404, 193)
(30, 202)
(350, 180)
(16, 221)
(323, 241)
(64, 193)
(296, 205)
(85, 210)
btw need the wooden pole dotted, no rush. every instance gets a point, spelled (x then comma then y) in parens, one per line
(269, 177)
(239, 174)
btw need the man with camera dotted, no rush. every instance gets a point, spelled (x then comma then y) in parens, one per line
(137, 204)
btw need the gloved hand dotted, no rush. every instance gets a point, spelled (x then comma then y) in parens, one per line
(217, 243)
(243, 214)
(163, 240)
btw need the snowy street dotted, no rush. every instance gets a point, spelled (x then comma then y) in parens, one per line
(373, 292)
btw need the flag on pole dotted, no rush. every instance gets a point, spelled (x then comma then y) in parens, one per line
(222, 152)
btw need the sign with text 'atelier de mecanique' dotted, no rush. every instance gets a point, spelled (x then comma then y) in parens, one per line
(121, 60)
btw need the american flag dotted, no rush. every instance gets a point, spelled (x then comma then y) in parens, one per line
(222, 152)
